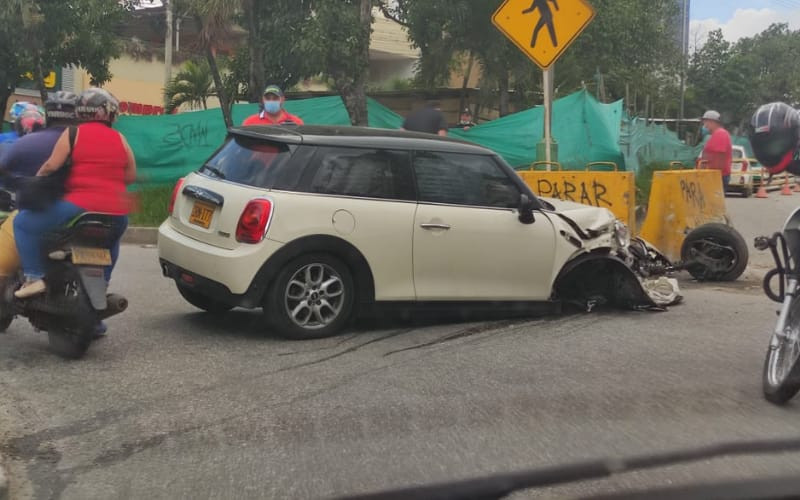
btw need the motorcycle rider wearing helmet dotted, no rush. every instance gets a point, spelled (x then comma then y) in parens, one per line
(102, 166)
(775, 138)
(24, 157)
(8, 138)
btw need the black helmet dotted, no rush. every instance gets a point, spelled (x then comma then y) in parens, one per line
(61, 106)
(774, 136)
(96, 104)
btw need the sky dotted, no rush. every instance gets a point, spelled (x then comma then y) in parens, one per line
(739, 18)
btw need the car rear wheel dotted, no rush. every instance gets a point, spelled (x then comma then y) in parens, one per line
(203, 302)
(312, 297)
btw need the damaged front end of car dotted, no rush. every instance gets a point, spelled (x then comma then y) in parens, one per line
(609, 267)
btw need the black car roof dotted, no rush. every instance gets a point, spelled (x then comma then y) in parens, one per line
(359, 137)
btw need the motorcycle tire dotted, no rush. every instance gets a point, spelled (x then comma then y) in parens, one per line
(703, 238)
(781, 376)
(5, 322)
(69, 345)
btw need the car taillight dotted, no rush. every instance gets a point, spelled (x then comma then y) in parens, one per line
(254, 221)
(175, 191)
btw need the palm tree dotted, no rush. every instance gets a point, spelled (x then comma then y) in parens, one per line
(214, 17)
(193, 85)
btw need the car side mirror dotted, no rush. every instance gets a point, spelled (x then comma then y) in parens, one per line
(526, 209)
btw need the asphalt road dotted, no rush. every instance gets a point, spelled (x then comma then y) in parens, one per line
(178, 404)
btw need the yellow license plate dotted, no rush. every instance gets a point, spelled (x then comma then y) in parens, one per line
(91, 256)
(201, 214)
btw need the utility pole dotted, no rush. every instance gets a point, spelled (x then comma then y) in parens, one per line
(168, 49)
(684, 56)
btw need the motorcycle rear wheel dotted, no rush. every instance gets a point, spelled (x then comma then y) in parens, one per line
(69, 345)
(5, 322)
(781, 377)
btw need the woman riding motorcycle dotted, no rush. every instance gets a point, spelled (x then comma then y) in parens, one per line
(15, 161)
(102, 165)
(775, 137)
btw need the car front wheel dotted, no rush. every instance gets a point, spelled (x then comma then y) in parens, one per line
(312, 297)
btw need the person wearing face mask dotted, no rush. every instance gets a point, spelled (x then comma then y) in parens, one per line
(718, 151)
(272, 112)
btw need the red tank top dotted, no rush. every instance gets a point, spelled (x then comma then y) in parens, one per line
(96, 182)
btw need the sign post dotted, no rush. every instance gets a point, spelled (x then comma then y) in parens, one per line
(543, 29)
(547, 80)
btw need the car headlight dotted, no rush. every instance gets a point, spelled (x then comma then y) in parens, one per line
(622, 235)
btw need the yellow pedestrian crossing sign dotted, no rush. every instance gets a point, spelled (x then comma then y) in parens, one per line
(543, 29)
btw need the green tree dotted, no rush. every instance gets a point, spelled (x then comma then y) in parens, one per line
(41, 35)
(193, 85)
(215, 18)
(735, 78)
(627, 43)
(276, 29)
(337, 43)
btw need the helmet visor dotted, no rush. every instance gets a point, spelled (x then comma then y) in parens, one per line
(770, 148)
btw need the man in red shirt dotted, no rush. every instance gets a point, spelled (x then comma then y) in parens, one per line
(272, 112)
(718, 151)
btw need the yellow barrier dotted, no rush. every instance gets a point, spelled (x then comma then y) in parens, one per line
(612, 190)
(679, 202)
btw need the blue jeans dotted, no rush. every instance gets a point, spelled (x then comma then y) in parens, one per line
(726, 180)
(30, 226)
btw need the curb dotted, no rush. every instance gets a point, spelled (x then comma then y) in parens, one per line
(138, 236)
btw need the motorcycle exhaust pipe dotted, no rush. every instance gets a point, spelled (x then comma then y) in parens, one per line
(115, 305)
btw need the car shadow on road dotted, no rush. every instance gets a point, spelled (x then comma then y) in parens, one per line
(246, 324)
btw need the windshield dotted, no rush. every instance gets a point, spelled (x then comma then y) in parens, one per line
(246, 160)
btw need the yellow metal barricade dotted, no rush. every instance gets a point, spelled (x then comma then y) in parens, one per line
(611, 190)
(548, 164)
(611, 164)
(679, 202)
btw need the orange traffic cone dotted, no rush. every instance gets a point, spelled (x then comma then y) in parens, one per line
(786, 190)
(762, 191)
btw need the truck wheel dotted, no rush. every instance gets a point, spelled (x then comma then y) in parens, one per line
(714, 252)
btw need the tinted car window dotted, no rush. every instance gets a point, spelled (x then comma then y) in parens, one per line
(245, 160)
(463, 179)
(369, 173)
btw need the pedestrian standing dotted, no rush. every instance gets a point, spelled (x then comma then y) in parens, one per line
(718, 151)
(428, 119)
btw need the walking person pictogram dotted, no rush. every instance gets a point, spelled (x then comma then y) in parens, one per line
(545, 19)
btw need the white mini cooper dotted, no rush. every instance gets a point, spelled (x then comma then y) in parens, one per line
(315, 224)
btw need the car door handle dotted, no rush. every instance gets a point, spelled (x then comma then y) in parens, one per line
(430, 226)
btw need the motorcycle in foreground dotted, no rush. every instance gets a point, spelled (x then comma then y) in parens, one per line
(76, 299)
(781, 377)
